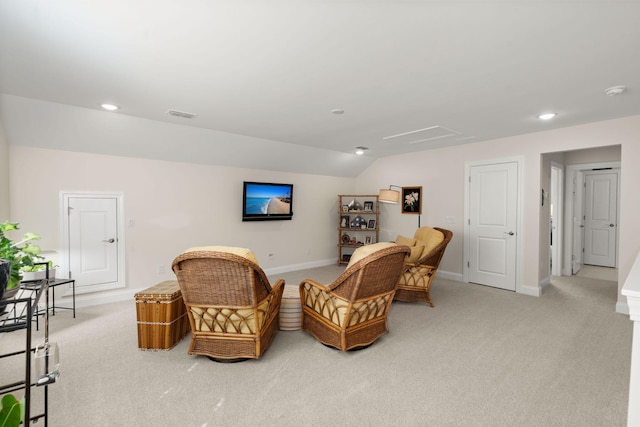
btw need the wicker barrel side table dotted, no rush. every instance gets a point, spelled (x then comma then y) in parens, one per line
(290, 309)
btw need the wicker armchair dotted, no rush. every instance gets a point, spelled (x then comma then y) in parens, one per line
(418, 275)
(352, 311)
(233, 311)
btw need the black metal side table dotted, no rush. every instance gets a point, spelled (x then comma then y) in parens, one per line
(36, 284)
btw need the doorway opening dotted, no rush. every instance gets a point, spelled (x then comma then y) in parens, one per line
(591, 202)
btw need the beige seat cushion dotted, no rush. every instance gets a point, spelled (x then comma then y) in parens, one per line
(230, 320)
(336, 309)
(366, 250)
(417, 248)
(243, 252)
(430, 237)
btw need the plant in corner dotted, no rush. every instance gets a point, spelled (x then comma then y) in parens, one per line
(18, 254)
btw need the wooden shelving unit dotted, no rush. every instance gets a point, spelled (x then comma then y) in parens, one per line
(351, 233)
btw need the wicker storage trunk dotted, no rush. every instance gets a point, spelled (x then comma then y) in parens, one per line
(162, 319)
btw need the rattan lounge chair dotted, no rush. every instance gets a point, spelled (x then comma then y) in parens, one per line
(233, 310)
(416, 280)
(352, 311)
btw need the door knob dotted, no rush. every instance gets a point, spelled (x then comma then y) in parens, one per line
(611, 225)
(111, 240)
(510, 233)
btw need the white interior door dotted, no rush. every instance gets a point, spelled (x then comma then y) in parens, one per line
(600, 218)
(493, 195)
(94, 243)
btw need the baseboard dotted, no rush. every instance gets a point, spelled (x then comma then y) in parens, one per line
(449, 275)
(129, 294)
(530, 290)
(303, 266)
(99, 299)
(622, 308)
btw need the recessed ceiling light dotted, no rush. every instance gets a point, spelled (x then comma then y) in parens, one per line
(360, 150)
(547, 116)
(337, 111)
(109, 107)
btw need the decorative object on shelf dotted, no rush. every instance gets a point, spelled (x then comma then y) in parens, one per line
(367, 240)
(389, 196)
(412, 200)
(345, 208)
(19, 254)
(353, 240)
(372, 224)
(358, 222)
(346, 239)
(346, 257)
(354, 205)
(368, 206)
(344, 221)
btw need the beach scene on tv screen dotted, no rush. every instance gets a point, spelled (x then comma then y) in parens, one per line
(268, 199)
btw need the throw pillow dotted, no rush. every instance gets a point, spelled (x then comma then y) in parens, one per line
(406, 241)
(366, 250)
(416, 252)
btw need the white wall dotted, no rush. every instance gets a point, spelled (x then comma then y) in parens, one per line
(4, 176)
(441, 174)
(176, 206)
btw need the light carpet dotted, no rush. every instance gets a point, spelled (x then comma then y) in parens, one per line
(481, 357)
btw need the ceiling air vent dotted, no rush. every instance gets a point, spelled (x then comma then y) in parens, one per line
(423, 135)
(182, 114)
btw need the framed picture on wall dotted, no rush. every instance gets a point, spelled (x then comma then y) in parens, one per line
(411, 200)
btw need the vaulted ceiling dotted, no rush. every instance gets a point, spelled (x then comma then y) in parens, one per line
(313, 77)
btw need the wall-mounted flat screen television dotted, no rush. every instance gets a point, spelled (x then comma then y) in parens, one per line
(263, 201)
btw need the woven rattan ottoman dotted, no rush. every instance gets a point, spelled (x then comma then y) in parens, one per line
(290, 309)
(162, 319)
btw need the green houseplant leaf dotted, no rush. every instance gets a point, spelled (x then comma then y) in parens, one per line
(10, 414)
(19, 254)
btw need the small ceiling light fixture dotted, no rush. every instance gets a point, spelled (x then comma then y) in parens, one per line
(547, 116)
(109, 107)
(360, 150)
(615, 90)
(337, 111)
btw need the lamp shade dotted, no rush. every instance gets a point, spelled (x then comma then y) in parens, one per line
(389, 196)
